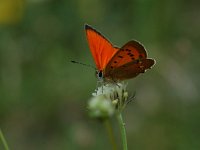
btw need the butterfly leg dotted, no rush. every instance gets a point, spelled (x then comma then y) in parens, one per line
(99, 84)
(115, 82)
(103, 84)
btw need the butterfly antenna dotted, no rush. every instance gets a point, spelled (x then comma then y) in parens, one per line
(76, 62)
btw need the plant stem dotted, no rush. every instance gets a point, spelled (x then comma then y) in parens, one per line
(122, 130)
(111, 136)
(2, 138)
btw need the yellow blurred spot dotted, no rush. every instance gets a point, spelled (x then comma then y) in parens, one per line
(11, 11)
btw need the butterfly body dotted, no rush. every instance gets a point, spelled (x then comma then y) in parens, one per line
(115, 63)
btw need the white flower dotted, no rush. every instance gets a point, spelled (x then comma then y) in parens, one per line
(100, 107)
(108, 99)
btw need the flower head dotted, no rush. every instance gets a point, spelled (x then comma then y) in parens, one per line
(108, 99)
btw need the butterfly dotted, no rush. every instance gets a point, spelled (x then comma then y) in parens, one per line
(115, 63)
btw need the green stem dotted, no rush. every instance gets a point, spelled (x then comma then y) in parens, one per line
(123, 131)
(110, 133)
(2, 138)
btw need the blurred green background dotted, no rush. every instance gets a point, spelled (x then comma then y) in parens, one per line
(43, 97)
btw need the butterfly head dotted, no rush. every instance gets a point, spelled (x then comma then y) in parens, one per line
(99, 74)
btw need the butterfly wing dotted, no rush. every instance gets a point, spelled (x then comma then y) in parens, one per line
(128, 62)
(131, 69)
(102, 50)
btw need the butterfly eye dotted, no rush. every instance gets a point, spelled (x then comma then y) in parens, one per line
(99, 74)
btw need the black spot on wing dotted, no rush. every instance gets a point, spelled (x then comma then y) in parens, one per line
(128, 50)
(140, 56)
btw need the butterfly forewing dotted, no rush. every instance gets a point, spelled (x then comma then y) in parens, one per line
(102, 50)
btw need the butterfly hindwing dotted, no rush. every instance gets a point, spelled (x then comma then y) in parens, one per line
(132, 51)
(102, 50)
(131, 69)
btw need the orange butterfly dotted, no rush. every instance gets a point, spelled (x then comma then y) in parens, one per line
(115, 63)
